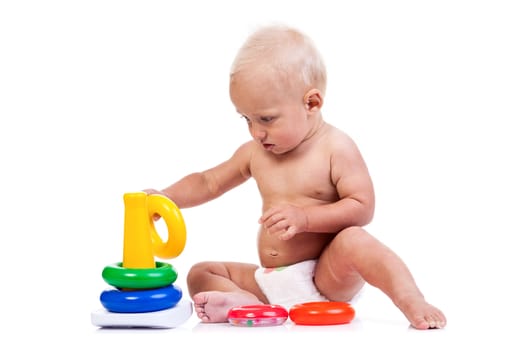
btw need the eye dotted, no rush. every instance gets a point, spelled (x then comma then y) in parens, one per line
(266, 119)
(246, 119)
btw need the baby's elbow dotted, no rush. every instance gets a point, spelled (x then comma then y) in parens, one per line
(367, 211)
(369, 215)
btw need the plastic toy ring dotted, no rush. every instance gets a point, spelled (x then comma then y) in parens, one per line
(177, 232)
(257, 315)
(142, 300)
(322, 313)
(117, 276)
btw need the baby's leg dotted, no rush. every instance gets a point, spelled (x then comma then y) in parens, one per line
(354, 256)
(216, 287)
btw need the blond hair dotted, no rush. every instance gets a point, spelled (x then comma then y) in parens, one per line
(286, 53)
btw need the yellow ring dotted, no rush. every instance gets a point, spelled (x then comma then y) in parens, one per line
(177, 232)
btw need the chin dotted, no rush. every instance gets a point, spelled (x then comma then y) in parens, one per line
(279, 152)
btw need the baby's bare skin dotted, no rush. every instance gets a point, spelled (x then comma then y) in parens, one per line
(317, 195)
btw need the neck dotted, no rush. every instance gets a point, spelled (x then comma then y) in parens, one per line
(318, 127)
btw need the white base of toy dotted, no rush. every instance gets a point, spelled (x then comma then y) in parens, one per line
(168, 318)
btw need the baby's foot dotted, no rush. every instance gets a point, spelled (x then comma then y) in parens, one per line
(422, 315)
(213, 307)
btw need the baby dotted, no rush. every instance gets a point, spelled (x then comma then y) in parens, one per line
(316, 193)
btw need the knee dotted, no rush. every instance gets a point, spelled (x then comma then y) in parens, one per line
(352, 240)
(203, 269)
(197, 270)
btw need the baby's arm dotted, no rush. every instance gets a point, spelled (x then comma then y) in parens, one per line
(352, 180)
(201, 187)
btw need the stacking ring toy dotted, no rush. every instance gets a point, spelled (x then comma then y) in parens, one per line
(117, 276)
(141, 240)
(141, 300)
(322, 313)
(257, 315)
(177, 233)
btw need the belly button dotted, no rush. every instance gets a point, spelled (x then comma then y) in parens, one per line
(274, 253)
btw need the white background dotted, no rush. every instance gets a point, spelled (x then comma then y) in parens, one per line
(99, 98)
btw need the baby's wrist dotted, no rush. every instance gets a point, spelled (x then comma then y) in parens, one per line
(306, 221)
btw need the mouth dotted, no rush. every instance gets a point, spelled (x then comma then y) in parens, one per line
(268, 146)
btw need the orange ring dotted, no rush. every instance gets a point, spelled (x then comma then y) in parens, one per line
(257, 315)
(321, 313)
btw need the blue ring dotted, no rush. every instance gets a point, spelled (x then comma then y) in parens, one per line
(146, 300)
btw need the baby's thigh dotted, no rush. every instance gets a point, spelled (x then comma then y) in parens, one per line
(223, 276)
(336, 276)
(242, 274)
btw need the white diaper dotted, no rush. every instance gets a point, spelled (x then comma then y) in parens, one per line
(289, 285)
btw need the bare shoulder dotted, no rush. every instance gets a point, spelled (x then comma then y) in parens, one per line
(241, 158)
(346, 158)
(246, 148)
(340, 142)
(244, 152)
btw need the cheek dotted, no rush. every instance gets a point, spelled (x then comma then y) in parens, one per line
(290, 136)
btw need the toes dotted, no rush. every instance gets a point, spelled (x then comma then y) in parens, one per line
(436, 320)
(439, 322)
(200, 298)
(432, 322)
(425, 322)
(204, 317)
(421, 323)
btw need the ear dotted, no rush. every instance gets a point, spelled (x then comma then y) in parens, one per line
(313, 100)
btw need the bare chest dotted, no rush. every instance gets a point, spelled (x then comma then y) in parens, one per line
(294, 179)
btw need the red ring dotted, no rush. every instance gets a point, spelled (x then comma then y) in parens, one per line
(257, 315)
(321, 313)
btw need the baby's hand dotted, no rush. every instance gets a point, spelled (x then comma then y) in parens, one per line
(285, 221)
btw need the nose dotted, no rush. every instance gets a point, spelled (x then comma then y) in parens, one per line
(258, 133)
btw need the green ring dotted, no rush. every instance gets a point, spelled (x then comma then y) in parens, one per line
(117, 276)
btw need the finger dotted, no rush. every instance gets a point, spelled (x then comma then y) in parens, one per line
(274, 225)
(267, 215)
(288, 233)
(278, 233)
(272, 220)
(280, 228)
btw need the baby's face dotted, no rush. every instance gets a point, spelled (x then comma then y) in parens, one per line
(277, 119)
